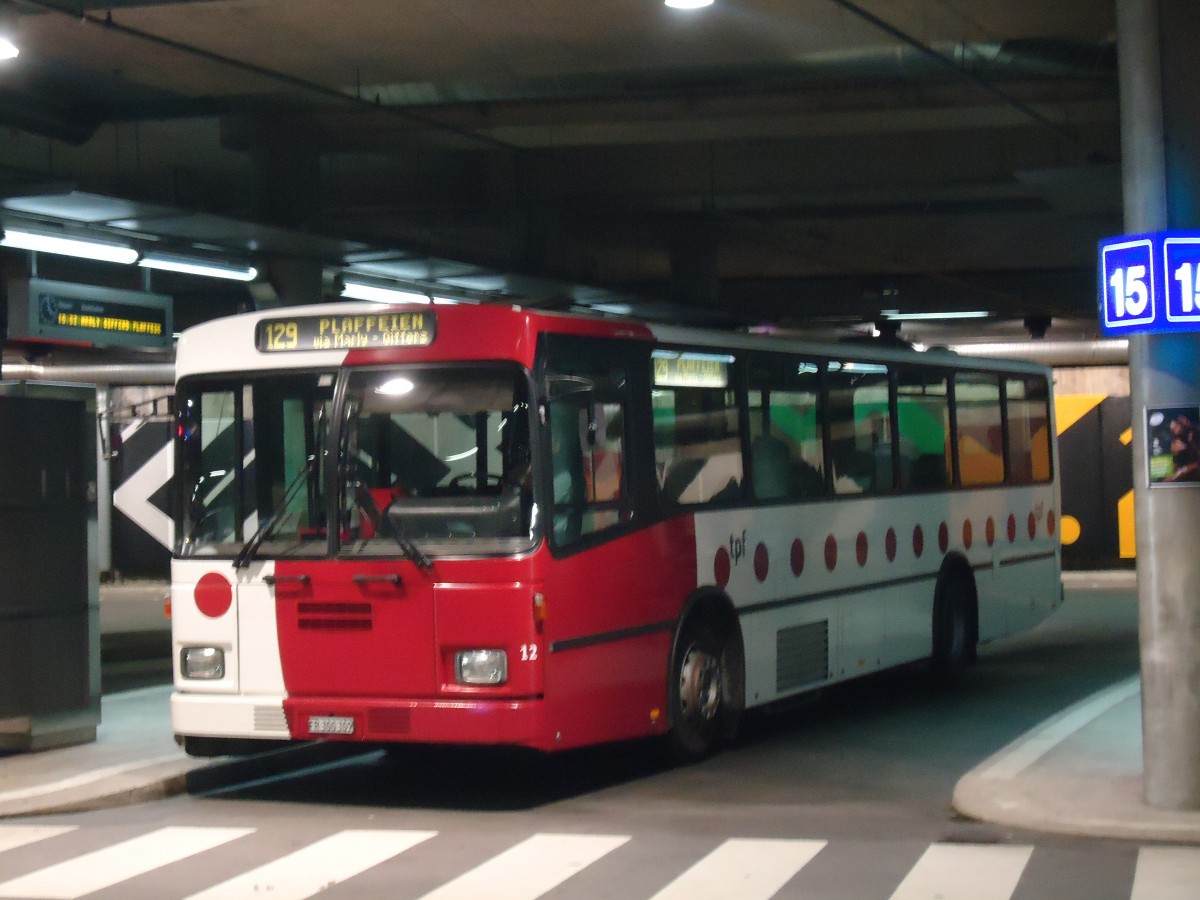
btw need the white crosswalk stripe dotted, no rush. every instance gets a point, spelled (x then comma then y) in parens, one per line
(531, 868)
(746, 869)
(965, 872)
(14, 836)
(318, 866)
(120, 862)
(1167, 873)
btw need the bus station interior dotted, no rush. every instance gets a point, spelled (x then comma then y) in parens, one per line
(934, 172)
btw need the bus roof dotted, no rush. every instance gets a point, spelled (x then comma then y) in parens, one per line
(336, 334)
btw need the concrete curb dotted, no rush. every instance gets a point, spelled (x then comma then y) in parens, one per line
(1077, 773)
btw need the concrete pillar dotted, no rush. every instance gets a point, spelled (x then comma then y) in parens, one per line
(1156, 42)
(285, 152)
(694, 267)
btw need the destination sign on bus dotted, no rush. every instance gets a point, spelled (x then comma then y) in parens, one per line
(690, 370)
(289, 334)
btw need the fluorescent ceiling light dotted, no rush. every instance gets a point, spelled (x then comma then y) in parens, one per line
(688, 4)
(8, 50)
(894, 315)
(48, 243)
(191, 266)
(357, 291)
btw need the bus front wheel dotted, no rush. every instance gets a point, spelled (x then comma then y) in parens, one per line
(697, 693)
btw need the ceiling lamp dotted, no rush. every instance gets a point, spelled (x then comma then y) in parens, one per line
(688, 4)
(356, 290)
(192, 266)
(63, 246)
(8, 21)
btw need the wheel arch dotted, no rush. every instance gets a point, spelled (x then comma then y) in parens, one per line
(712, 607)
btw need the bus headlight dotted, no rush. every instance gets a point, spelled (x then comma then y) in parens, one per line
(481, 666)
(202, 662)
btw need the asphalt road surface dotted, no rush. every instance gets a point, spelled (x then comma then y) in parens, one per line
(845, 796)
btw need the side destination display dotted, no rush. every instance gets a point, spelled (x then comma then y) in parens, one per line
(289, 334)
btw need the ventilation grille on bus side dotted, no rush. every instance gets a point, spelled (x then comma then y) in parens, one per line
(801, 655)
(334, 616)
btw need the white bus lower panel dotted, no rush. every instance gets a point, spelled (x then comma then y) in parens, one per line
(217, 715)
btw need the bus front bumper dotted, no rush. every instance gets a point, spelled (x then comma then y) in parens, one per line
(484, 722)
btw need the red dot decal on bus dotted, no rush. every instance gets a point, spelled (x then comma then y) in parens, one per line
(762, 562)
(214, 595)
(918, 541)
(830, 552)
(1050, 523)
(1012, 528)
(721, 567)
(943, 537)
(1032, 526)
(990, 531)
(860, 548)
(889, 544)
(968, 535)
(797, 557)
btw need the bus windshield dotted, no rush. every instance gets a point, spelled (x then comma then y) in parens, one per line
(437, 460)
(429, 460)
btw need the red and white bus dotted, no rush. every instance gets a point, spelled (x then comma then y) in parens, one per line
(481, 524)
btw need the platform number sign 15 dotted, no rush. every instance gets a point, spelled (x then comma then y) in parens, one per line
(1181, 263)
(1150, 283)
(1128, 272)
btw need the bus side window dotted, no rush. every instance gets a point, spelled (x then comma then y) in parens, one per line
(585, 417)
(979, 436)
(923, 413)
(860, 428)
(786, 458)
(1028, 430)
(696, 445)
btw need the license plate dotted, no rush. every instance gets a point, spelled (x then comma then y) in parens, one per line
(331, 725)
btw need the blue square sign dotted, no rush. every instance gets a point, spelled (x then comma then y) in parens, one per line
(1150, 283)
(1127, 270)
(1181, 272)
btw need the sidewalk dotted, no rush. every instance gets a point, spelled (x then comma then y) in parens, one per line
(1078, 773)
(133, 759)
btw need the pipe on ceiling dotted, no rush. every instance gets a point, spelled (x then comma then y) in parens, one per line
(91, 373)
(1053, 353)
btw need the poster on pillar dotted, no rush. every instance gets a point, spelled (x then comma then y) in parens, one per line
(1173, 445)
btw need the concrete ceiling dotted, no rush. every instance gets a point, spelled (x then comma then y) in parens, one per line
(793, 162)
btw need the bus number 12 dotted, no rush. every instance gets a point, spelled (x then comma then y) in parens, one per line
(529, 652)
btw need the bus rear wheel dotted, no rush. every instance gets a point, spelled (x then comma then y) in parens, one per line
(698, 691)
(953, 636)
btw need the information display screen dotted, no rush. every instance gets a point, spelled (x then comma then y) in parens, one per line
(60, 311)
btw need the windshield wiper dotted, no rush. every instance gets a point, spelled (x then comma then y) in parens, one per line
(411, 550)
(264, 530)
